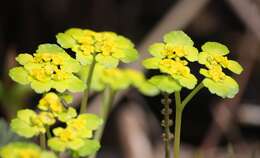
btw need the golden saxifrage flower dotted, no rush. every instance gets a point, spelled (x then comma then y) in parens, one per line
(107, 47)
(172, 57)
(213, 56)
(24, 150)
(28, 123)
(51, 102)
(77, 136)
(50, 67)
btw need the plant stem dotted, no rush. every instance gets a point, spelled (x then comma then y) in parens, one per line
(192, 94)
(84, 101)
(167, 133)
(177, 130)
(43, 141)
(108, 97)
(48, 133)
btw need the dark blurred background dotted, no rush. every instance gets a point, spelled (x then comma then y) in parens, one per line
(211, 126)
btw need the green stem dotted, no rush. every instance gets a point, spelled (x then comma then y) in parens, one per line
(43, 141)
(49, 133)
(192, 94)
(167, 133)
(108, 97)
(84, 101)
(177, 130)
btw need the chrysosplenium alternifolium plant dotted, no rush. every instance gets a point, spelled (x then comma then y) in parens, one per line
(52, 72)
(172, 58)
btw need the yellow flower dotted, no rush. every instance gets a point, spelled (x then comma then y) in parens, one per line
(213, 57)
(50, 67)
(172, 57)
(52, 102)
(107, 47)
(24, 150)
